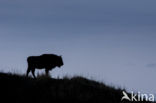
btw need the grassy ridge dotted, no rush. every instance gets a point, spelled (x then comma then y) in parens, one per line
(21, 89)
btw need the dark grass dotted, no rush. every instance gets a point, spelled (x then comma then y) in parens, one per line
(20, 89)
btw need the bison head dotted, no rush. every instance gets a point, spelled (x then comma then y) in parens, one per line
(60, 62)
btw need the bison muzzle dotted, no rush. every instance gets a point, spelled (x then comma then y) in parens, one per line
(44, 61)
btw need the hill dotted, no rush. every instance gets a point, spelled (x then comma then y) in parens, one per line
(20, 89)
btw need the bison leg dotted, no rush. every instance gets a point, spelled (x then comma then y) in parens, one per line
(28, 70)
(47, 71)
(33, 72)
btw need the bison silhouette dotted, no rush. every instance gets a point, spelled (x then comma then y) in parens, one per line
(44, 61)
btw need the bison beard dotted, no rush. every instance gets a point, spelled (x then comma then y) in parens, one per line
(44, 61)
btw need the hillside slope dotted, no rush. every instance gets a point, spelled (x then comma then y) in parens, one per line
(20, 89)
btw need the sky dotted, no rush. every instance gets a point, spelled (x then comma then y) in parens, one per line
(112, 41)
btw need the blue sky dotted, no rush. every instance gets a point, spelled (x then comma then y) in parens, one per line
(108, 40)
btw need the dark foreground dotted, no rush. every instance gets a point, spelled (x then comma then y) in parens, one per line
(20, 89)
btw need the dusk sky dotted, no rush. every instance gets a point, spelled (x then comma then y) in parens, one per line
(113, 41)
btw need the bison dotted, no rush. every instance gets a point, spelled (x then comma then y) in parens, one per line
(44, 61)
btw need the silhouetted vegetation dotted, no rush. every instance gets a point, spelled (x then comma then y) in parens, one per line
(21, 89)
